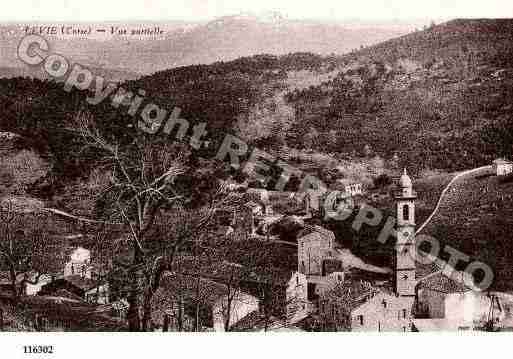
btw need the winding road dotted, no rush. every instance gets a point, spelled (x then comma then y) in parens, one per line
(445, 190)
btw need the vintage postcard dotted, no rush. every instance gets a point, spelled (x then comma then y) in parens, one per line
(270, 167)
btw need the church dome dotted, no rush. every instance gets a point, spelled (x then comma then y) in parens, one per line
(405, 181)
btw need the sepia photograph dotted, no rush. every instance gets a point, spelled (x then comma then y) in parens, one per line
(273, 168)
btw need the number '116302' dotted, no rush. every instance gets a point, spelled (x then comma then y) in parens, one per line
(38, 349)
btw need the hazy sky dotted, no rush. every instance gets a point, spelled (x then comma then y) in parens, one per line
(100, 10)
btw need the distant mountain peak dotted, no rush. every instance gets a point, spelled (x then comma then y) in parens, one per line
(263, 16)
(270, 16)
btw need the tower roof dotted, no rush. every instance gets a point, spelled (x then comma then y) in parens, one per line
(501, 161)
(405, 181)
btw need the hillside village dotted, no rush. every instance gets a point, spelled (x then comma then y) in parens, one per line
(106, 229)
(329, 288)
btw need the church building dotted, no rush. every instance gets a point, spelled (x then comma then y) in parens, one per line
(393, 310)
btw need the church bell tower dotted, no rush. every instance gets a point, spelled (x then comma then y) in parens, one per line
(405, 245)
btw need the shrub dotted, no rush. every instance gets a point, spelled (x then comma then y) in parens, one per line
(382, 181)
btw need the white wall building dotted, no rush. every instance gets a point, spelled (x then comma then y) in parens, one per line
(79, 264)
(33, 289)
(502, 167)
(383, 312)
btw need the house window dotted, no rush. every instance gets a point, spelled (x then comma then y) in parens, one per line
(311, 295)
(360, 319)
(297, 280)
(404, 313)
(406, 212)
(384, 303)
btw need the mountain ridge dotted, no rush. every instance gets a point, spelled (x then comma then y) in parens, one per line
(223, 39)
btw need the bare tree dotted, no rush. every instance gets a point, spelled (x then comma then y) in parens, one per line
(175, 232)
(145, 182)
(249, 271)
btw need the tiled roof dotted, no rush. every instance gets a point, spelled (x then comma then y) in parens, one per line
(63, 293)
(357, 292)
(501, 161)
(254, 321)
(316, 231)
(81, 282)
(440, 283)
(173, 283)
(423, 270)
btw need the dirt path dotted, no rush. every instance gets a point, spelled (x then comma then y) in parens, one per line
(80, 219)
(446, 189)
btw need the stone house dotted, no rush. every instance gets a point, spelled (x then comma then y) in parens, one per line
(502, 167)
(33, 289)
(448, 304)
(181, 299)
(383, 311)
(354, 189)
(79, 263)
(315, 244)
(318, 271)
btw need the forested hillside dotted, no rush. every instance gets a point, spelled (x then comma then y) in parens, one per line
(436, 98)
(444, 108)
